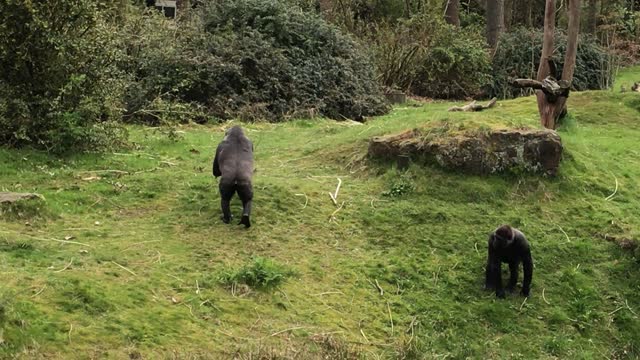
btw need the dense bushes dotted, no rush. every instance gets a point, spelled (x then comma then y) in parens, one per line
(518, 56)
(257, 60)
(427, 57)
(57, 86)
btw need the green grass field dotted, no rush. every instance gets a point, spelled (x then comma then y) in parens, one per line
(139, 275)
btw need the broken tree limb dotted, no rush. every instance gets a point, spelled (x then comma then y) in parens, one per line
(553, 89)
(474, 106)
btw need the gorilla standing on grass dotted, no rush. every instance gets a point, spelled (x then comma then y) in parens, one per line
(234, 162)
(508, 245)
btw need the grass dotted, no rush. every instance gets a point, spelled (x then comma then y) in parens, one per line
(137, 278)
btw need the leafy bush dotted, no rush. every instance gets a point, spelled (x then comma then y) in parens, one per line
(58, 88)
(518, 56)
(427, 57)
(253, 59)
(261, 273)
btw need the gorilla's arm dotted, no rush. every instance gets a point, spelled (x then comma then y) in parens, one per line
(527, 265)
(216, 164)
(493, 275)
(522, 246)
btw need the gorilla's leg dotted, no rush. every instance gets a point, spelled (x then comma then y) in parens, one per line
(513, 268)
(226, 193)
(245, 192)
(489, 283)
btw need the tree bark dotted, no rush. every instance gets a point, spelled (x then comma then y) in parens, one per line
(592, 17)
(508, 13)
(552, 105)
(452, 12)
(495, 21)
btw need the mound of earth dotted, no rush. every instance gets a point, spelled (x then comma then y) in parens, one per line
(475, 151)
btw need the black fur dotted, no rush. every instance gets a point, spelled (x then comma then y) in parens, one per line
(508, 245)
(234, 163)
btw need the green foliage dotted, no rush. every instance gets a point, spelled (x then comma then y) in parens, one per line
(518, 56)
(400, 186)
(253, 60)
(427, 57)
(58, 87)
(261, 273)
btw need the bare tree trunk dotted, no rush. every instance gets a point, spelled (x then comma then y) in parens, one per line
(495, 21)
(592, 17)
(552, 107)
(508, 13)
(547, 117)
(452, 12)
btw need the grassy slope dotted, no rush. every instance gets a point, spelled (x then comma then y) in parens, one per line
(162, 225)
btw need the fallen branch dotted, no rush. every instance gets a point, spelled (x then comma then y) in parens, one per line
(49, 239)
(124, 268)
(332, 217)
(66, 267)
(334, 196)
(390, 317)
(544, 298)
(565, 234)
(614, 191)
(306, 199)
(287, 330)
(39, 292)
(379, 288)
(474, 106)
(524, 302)
(552, 88)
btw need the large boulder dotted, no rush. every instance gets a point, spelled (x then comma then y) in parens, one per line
(476, 152)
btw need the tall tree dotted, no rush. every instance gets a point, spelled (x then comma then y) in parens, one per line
(551, 93)
(452, 12)
(495, 21)
(591, 23)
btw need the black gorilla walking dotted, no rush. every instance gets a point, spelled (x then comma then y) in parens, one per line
(234, 162)
(508, 245)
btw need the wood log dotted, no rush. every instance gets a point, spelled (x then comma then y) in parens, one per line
(474, 106)
(553, 89)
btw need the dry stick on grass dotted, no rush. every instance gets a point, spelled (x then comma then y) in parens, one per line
(362, 332)
(124, 268)
(565, 234)
(70, 330)
(544, 298)
(379, 288)
(474, 106)
(51, 239)
(329, 292)
(476, 247)
(306, 199)
(614, 191)
(332, 217)
(39, 292)
(524, 302)
(66, 267)
(197, 288)
(287, 330)
(334, 196)
(390, 317)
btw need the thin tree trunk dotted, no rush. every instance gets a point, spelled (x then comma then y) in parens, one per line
(544, 107)
(592, 17)
(572, 50)
(452, 12)
(508, 14)
(495, 21)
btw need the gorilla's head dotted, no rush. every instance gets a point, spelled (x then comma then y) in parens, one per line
(503, 236)
(234, 131)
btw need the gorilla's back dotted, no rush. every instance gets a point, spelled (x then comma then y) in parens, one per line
(236, 158)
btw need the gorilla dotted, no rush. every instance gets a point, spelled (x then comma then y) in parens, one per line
(508, 245)
(234, 162)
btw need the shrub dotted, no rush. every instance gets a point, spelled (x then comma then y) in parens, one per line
(518, 56)
(261, 273)
(59, 89)
(427, 57)
(255, 60)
